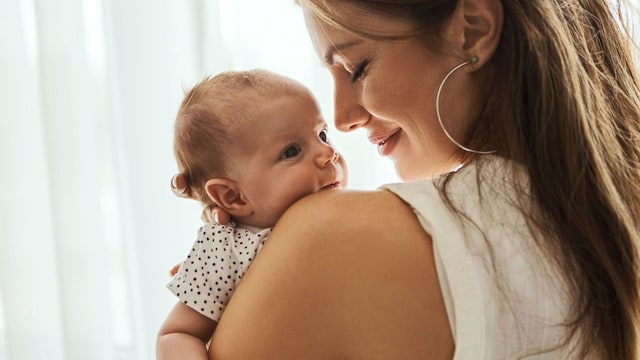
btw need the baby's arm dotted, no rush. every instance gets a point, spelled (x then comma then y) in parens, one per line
(184, 334)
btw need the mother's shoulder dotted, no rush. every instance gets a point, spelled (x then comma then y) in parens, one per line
(330, 279)
(346, 197)
(350, 208)
(361, 217)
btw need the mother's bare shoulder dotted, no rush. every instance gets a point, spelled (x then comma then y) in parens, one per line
(349, 210)
(345, 274)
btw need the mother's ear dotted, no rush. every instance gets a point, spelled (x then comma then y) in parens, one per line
(227, 195)
(476, 28)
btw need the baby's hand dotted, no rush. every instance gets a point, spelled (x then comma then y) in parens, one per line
(174, 270)
(214, 214)
(179, 186)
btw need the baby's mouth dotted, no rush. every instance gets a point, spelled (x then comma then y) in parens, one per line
(333, 185)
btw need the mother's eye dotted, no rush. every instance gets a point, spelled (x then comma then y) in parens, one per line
(290, 152)
(359, 71)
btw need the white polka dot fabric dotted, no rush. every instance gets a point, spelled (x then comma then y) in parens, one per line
(218, 260)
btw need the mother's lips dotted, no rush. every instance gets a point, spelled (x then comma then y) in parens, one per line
(386, 141)
(381, 139)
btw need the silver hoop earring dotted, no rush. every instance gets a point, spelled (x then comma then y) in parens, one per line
(472, 61)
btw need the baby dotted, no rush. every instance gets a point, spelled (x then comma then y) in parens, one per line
(251, 143)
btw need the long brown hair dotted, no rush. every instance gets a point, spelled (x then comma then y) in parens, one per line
(563, 102)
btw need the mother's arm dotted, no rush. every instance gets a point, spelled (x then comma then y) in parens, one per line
(346, 275)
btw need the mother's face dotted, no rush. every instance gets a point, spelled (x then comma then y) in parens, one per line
(389, 88)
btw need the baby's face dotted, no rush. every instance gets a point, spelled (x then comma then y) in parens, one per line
(283, 155)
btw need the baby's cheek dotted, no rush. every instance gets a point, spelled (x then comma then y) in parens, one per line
(283, 201)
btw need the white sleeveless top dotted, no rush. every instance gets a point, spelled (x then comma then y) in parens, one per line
(503, 298)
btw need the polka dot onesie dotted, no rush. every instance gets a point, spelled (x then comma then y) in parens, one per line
(218, 260)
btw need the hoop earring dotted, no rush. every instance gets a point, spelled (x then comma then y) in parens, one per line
(472, 61)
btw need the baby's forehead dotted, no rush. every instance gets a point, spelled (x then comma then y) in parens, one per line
(282, 112)
(244, 102)
(277, 116)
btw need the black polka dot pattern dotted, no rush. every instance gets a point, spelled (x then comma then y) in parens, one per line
(218, 260)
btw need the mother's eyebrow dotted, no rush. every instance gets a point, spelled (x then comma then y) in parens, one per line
(338, 48)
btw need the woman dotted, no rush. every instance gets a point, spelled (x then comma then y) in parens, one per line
(516, 125)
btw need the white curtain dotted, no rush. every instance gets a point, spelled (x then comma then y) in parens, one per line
(88, 225)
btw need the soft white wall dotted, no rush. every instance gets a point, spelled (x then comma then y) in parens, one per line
(25, 195)
(153, 47)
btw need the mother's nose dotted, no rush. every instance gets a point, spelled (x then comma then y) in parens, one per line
(349, 114)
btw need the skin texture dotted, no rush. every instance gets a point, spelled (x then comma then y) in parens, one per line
(382, 99)
(361, 293)
(389, 87)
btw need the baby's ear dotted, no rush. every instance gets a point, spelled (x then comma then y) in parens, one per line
(226, 194)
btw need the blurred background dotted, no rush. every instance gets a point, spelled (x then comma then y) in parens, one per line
(88, 94)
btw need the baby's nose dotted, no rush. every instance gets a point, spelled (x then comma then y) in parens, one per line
(328, 155)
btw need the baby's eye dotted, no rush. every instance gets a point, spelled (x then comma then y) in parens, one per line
(323, 136)
(290, 152)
